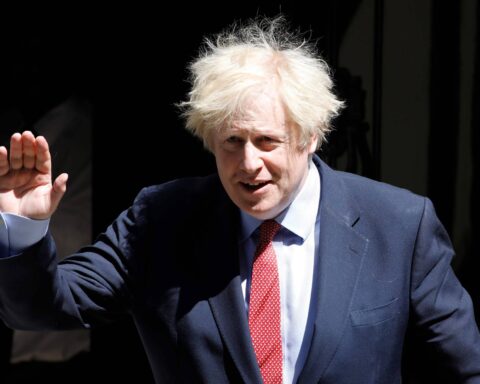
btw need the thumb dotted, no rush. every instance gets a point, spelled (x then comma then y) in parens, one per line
(58, 189)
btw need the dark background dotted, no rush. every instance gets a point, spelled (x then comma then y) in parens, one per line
(130, 62)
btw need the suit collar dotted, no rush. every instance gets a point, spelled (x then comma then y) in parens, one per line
(335, 195)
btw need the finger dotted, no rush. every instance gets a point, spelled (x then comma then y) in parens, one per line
(4, 165)
(28, 142)
(16, 155)
(43, 161)
(58, 190)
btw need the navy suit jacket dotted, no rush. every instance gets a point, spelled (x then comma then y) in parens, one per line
(171, 260)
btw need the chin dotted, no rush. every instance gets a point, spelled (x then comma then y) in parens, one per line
(262, 213)
(261, 210)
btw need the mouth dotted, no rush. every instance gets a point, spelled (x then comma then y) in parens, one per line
(254, 186)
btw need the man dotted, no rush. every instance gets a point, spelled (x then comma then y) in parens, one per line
(278, 269)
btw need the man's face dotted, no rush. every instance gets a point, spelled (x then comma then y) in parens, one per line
(258, 157)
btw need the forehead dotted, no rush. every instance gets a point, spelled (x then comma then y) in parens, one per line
(260, 110)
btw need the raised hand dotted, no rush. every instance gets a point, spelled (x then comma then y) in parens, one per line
(26, 186)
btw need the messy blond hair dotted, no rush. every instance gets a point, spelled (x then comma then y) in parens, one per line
(245, 59)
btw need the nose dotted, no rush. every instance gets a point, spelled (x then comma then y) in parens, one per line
(251, 161)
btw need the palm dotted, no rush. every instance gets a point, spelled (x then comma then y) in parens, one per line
(26, 187)
(25, 193)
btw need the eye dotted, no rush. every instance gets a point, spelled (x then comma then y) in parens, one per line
(233, 140)
(267, 139)
(232, 143)
(267, 142)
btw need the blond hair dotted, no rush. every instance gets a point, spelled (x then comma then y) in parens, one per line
(246, 59)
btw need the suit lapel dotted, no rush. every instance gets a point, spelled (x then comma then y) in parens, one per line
(229, 313)
(219, 241)
(341, 252)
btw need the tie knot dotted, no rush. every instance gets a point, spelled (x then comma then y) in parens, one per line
(268, 230)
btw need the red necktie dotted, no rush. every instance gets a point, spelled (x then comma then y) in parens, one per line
(264, 307)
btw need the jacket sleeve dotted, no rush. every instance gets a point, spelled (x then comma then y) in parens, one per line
(442, 309)
(87, 288)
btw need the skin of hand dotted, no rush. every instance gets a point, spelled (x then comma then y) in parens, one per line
(26, 187)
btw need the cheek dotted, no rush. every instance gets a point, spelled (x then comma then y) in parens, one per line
(294, 171)
(225, 165)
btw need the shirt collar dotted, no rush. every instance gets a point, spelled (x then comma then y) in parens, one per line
(299, 217)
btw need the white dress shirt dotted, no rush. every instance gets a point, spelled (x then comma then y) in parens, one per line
(295, 247)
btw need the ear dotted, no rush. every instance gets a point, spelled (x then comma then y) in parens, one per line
(312, 145)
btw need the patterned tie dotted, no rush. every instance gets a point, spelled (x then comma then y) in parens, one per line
(264, 307)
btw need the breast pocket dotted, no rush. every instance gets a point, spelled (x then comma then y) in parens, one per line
(375, 315)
